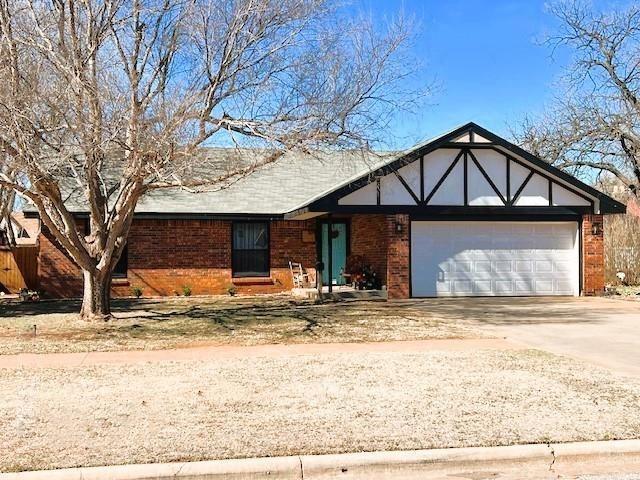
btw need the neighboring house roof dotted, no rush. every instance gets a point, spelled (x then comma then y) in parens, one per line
(298, 181)
(25, 229)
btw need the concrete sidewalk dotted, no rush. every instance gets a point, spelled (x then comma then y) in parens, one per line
(522, 462)
(51, 360)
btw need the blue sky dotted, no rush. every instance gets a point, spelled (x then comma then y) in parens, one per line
(486, 57)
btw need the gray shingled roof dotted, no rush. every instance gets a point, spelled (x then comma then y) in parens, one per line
(278, 188)
(275, 189)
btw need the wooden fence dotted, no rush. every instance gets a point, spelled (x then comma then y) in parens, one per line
(18, 268)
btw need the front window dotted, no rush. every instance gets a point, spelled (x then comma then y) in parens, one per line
(250, 252)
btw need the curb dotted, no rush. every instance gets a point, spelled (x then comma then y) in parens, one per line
(523, 461)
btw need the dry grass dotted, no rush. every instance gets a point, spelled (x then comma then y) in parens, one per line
(51, 418)
(622, 247)
(625, 292)
(176, 322)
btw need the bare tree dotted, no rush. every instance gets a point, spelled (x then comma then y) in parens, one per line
(595, 121)
(92, 90)
(7, 202)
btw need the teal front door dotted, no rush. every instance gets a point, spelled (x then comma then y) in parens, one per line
(338, 252)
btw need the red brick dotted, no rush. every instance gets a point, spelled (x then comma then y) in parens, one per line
(592, 256)
(397, 256)
(369, 240)
(165, 255)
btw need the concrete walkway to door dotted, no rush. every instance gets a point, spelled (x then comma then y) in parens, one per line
(602, 331)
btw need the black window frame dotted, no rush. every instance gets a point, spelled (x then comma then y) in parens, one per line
(236, 256)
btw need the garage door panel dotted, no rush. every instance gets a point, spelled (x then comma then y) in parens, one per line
(497, 258)
(544, 287)
(544, 266)
(504, 287)
(563, 286)
(524, 287)
(482, 287)
(463, 287)
(483, 267)
(524, 266)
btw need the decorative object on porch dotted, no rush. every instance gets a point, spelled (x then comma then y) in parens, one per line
(301, 279)
(27, 295)
(360, 274)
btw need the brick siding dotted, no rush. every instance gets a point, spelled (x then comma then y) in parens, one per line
(166, 255)
(369, 240)
(592, 256)
(397, 256)
(58, 275)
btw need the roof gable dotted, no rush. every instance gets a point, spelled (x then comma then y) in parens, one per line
(470, 139)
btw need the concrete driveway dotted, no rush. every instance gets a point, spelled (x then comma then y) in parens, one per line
(602, 331)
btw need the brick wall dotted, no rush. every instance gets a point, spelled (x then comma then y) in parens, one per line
(369, 239)
(58, 275)
(292, 241)
(165, 255)
(592, 256)
(397, 256)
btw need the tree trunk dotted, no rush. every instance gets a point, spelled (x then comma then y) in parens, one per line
(96, 301)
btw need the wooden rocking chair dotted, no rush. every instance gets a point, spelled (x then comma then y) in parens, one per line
(299, 276)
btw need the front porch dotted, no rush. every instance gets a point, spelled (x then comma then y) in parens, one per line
(340, 292)
(353, 251)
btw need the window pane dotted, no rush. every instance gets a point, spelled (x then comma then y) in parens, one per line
(250, 236)
(250, 254)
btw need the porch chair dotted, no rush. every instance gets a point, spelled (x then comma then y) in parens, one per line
(299, 276)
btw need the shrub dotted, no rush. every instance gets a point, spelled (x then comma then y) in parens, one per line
(622, 248)
(232, 290)
(186, 290)
(136, 291)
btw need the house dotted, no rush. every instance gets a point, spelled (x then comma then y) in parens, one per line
(465, 214)
(19, 260)
(25, 230)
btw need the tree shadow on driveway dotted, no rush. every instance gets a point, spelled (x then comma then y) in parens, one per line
(505, 311)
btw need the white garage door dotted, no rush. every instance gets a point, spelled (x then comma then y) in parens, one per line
(494, 258)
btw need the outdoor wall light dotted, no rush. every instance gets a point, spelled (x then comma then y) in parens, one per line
(596, 228)
(399, 227)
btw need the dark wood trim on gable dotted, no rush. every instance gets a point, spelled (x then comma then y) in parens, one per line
(488, 178)
(407, 187)
(455, 209)
(508, 199)
(607, 204)
(443, 178)
(522, 187)
(465, 181)
(421, 179)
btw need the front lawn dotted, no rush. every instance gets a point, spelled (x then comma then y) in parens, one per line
(305, 404)
(183, 322)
